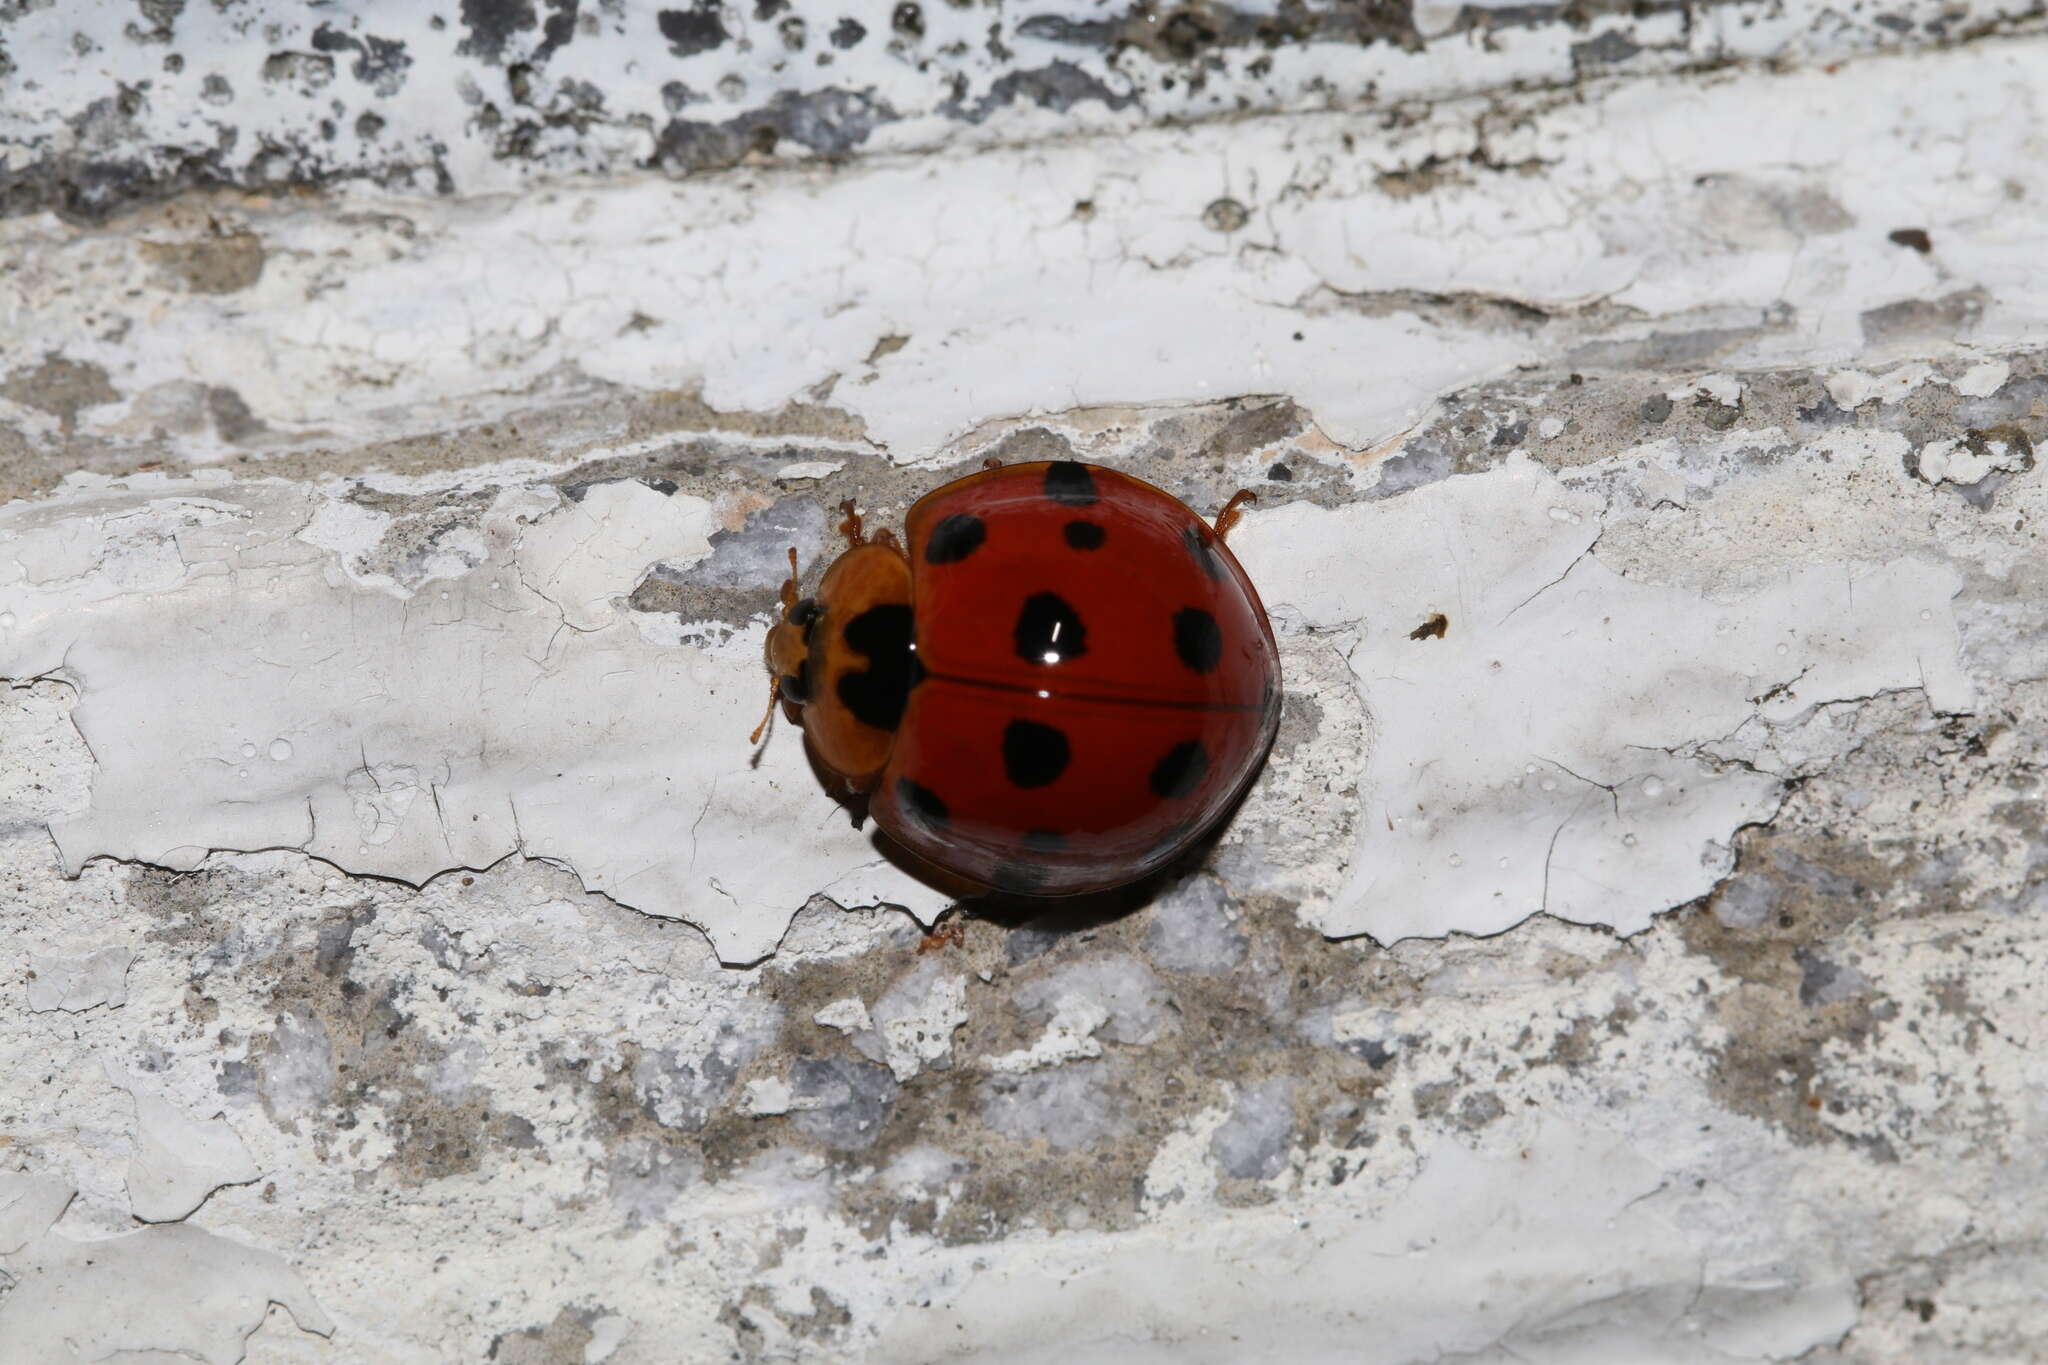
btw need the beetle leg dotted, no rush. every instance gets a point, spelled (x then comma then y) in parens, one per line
(789, 586)
(991, 463)
(886, 538)
(1227, 518)
(851, 527)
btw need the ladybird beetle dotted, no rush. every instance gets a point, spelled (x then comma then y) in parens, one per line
(1057, 683)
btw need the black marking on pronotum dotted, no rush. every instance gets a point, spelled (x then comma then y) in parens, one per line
(804, 616)
(955, 538)
(1049, 631)
(1069, 482)
(921, 802)
(877, 694)
(1204, 553)
(1196, 639)
(1180, 771)
(1034, 755)
(1084, 535)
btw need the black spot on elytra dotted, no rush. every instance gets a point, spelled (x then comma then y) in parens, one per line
(1205, 554)
(1084, 535)
(1034, 755)
(1049, 631)
(699, 28)
(1180, 771)
(955, 538)
(1196, 639)
(1069, 482)
(921, 802)
(1044, 840)
(877, 694)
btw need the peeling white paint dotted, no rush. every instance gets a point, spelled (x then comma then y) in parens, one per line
(73, 984)
(1567, 1217)
(1546, 752)
(1853, 388)
(383, 326)
(1069, 1036)
(915, 1018)
(180, 1160)
(848, 1016)
(405, 736)
(172, 1289)
(29, 1205)
(810, 469)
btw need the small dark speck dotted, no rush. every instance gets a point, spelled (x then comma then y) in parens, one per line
(1299, 337)
(1656, 408)
(1280, 473)
(847, 33)
(1915, 238)
(1720, 416)
(1225, 215)
(908, 20)
(1432, 629)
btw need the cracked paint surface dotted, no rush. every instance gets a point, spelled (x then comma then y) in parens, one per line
(1629, 951)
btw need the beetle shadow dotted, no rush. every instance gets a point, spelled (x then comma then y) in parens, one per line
(1057, 916)
(854, 803)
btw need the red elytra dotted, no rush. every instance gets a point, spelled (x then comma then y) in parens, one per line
(1063, 681)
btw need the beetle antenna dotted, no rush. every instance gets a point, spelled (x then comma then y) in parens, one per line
(1228, 517)
(774, 695)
